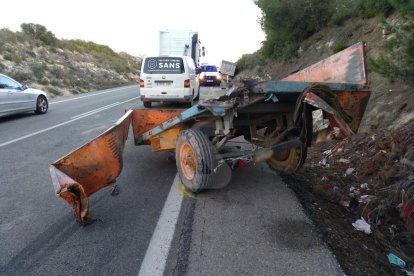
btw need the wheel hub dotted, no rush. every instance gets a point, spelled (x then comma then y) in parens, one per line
(188, 161)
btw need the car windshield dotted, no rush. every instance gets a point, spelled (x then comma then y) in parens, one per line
(209, 68)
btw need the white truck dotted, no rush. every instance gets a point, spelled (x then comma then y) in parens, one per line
(181, 43)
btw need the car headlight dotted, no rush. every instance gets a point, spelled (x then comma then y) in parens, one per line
(218, 77)
(201, 76)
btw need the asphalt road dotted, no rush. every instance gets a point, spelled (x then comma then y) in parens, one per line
(253, 226)
(38, 233)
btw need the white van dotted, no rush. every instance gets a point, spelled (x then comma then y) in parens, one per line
(168, 79)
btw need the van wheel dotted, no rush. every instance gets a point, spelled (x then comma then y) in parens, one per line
(147, 104)
(195, 100)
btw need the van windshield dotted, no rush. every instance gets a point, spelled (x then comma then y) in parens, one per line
(209, 68)
(164, 65)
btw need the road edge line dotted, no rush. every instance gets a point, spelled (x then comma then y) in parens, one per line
(158, 249)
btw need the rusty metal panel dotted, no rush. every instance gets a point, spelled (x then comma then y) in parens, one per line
(166, 140)
(354, 104)
(91, 167)
(347, 66)
(144, 120)
(335, 118)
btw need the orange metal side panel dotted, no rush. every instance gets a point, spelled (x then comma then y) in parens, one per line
(166, 140)
(91, 167)
(354, 104)
(144, 120)
(347, 66)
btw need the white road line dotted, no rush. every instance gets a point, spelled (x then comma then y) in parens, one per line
(96, 94)
(95, 110)
(56, 126)
(159, 246)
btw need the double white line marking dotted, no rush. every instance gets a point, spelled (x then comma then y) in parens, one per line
(86, 114)
(73, 119)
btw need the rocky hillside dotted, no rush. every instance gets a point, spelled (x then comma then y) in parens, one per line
(392, 100)
(34, 56)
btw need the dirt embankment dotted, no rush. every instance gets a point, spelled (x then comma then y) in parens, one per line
(391, 103)
(370, 175)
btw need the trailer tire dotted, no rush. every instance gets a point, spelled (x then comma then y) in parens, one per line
(288, 161)
(147, 104)
(195, 160)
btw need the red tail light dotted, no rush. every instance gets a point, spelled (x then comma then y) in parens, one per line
(141, 83)
(187, 84)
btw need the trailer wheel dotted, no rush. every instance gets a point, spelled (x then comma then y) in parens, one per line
(147, 104)
(288, 161)
(194, 159)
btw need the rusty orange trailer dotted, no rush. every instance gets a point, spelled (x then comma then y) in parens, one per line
(274, 116)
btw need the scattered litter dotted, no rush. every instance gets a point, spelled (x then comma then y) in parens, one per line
(324, 163)
(363, 199)
(356, 192)
(324, 178)
(364, 186)
(405, 161)
(326, 152)
(362, 225)
(383, 151)
(336, 132)
(409, 272)
(343, 160)
(345, 203)
(393, 259)
(349, 171)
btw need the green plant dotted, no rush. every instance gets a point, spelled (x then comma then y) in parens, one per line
(39, 32)
(337, 47)
(13, 57)
(54, 91)
(383, 66)
(390, 44)
(38, 70)
(21, 76)
(43, 81)
(370, 8)
(288, 22)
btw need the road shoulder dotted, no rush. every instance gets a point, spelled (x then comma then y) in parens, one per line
(254, 226)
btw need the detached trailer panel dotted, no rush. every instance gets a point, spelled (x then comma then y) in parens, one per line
(281, 108)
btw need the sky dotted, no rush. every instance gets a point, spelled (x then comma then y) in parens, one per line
(227, 28)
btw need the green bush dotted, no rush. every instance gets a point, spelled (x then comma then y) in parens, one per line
(371, 8)
(21, 76)
(288, 22)
(38, 70)
(337, 47)
(54, 91)
(39, 32)
(13, 57)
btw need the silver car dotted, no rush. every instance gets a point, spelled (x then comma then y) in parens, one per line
(17, 98)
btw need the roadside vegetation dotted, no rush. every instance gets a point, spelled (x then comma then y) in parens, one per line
(288, 23)
(35, 56)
